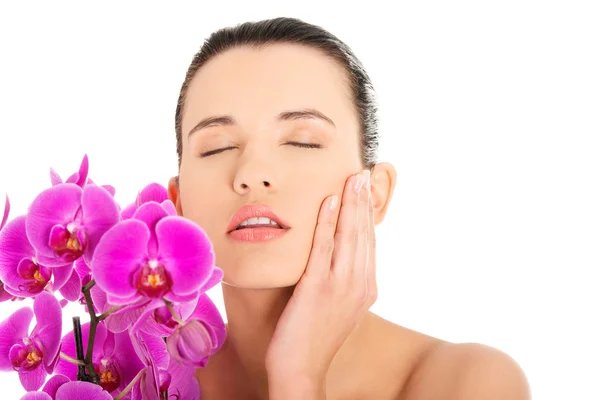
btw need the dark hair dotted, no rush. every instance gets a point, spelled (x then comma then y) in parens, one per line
(292, 30)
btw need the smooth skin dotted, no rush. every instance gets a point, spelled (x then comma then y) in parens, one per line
(299, 325)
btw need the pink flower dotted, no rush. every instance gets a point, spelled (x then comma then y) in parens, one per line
(33, 355)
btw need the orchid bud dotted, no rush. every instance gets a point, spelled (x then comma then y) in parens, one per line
(191, 344)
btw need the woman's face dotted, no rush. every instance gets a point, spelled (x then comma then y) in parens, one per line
(251, 90)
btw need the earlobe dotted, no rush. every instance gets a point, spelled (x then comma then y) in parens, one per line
(383, 183)
(173, 191)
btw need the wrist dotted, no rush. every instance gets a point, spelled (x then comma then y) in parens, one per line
(296, 386)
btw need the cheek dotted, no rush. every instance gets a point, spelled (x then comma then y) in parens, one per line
(198, 203)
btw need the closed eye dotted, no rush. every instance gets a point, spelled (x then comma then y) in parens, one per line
(305, 145)
(297, 144)
(216, 151)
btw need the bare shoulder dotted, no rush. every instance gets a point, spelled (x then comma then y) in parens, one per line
(464, 371)
(415, 366)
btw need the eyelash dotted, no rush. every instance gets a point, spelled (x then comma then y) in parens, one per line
(297, 144)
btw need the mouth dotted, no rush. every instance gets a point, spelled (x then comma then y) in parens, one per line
(255, 222)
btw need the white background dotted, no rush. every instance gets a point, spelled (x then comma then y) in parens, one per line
(490, 112)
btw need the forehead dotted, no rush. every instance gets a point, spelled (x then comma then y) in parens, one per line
(255, 84)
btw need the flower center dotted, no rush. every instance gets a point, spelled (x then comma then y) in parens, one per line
(153, 280)
(27, 355)
(109, 375)
(35, 276)
(73, 244)
(67, 243)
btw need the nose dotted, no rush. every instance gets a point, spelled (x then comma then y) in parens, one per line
(253, 175)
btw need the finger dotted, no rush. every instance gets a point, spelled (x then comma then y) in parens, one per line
(319, 262)
(346, 232)
(359, 266)
(371, 277)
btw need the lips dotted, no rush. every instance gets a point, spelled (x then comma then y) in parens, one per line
(255, 211)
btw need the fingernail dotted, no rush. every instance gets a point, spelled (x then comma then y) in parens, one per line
(367, 174)
(360, 180)
(333, 202)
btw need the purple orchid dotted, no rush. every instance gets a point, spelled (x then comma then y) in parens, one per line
(178, 380)
(4, 295)
(69, 390)
(152, 192)
(164, 257)
(6, 211)
(23, 275)
(152, 315)
(65, 222)
(114, 358)
(202, 335)
(80, 178)
(161, 373)
(32, 356)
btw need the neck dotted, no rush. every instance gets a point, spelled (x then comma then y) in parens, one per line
(252, 316)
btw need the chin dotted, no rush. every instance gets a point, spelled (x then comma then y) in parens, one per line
(261, 274)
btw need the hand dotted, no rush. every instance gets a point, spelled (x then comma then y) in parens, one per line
(336, 290)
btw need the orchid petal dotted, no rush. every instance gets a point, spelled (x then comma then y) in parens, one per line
(12, 330)
(32, 379)
(161, 323)
(48, 315)
(100, 213)
(82, 268)
(186, 253)
(110, 189)
(151, 213)
(148, 384)
(146, 312)
(82, 390)
(122, 319)
(73, 178)
(55, 178)
(6, 211)
(207, 312)
(83, 172)
(190, 344)
(169, 207)
(54, 383)
(184, 384)
(174, 298)
(128, 211)
(14, 247)
(150, 349)
(53, 262)
(99, 299)
(126, 358)
(54, 206)
(113, 258)
(62, 276)
(5, 294)
(72, 288)
(36, 396)
(215, 278)
(152, 192)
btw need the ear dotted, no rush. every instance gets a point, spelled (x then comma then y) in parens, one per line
(383, 182)
(173, 191)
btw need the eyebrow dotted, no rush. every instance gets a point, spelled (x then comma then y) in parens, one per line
(226, 120)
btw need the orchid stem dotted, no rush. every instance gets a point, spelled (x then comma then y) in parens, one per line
(92, 375)
(130, 386)
(72, 360)
(165, 394)
(89, 286)
(105, 314)
(81, 375)
(173, 313)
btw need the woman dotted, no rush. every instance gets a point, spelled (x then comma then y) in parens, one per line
(277, 138)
